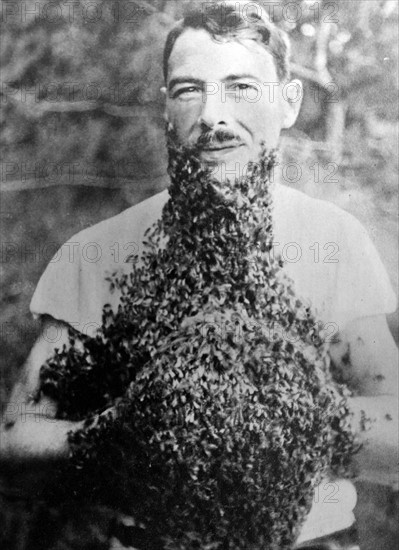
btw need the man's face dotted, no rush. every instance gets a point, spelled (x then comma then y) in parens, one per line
(224, 97)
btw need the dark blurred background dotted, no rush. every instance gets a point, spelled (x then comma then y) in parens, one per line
(82, 135)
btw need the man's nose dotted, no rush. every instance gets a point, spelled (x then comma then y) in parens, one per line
(213, 111)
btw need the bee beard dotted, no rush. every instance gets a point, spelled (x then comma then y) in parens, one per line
(194, 186)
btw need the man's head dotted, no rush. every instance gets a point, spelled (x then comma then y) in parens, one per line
(225, 68)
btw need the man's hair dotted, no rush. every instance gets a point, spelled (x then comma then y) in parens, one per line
(234, 19)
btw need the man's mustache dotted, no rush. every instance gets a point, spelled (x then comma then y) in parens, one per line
(217, 137)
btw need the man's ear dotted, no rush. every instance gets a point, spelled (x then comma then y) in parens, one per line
(165, 114)
(292, 101)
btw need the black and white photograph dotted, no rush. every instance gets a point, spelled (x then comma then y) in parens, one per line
(199, 275)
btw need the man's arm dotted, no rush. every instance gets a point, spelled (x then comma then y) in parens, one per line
(28, 429)
(366, 358)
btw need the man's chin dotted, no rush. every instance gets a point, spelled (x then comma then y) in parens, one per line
(223, 171)
(229, 164)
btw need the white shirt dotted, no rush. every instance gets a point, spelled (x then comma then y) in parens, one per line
(328, 254)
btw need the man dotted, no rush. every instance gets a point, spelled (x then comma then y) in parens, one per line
(216, 62)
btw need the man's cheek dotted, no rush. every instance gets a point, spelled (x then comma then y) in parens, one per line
(185, 110)
(261, 117)
(184, 123)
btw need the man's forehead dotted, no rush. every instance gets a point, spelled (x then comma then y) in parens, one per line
(196, 53)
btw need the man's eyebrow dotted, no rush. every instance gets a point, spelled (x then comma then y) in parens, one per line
(199, 82)
(239, 76)
(184, 80)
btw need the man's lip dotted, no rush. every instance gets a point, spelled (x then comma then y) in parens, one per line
(221, 147)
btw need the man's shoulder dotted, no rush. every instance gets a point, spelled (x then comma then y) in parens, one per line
(74, 286)
(290, 199)
(305, 214)
(330, 257)
(125, 226)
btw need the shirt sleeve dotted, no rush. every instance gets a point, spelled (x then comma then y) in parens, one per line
(363, 285)
(74, 286)
(74, 289)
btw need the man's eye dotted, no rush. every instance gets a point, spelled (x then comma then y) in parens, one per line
(243, 91)
(240, 86)
(188, 91)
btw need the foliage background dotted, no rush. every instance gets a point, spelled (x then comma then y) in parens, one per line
(82, 134)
